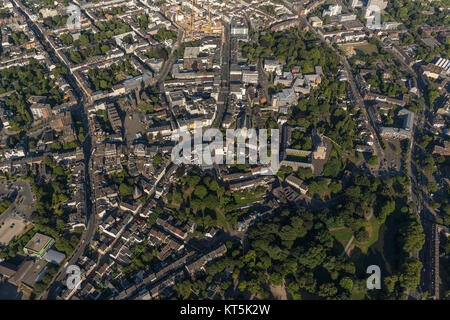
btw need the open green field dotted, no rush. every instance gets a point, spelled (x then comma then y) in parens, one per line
(382, 251)
(242, 200)
(374, 227)
(351, 49)
(342, 235)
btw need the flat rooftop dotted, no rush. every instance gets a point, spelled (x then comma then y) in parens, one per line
(38, 242)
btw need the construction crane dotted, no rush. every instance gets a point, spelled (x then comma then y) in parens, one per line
(192, 21)
(206, 29)
(210, 28)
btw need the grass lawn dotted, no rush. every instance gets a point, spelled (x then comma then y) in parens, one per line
(357, 295)
(367, 48)
(342, 235)
(246, 197)
(373, 226)
(245, 200)
(222, 221)
(297, 155)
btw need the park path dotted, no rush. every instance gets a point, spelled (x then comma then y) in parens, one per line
(349, 243)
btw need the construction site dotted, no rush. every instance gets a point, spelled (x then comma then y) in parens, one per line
(197, 18)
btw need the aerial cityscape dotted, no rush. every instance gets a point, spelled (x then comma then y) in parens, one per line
(224, 150)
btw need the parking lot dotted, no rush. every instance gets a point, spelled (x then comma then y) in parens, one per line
(133, 124)
(9, 228)
(15, 219)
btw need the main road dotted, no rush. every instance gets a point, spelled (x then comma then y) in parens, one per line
(225, 77)
(90, 217)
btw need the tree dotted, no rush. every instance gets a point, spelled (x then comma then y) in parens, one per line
(346, 283)
(410, 273)
(373, 161)
(125, 190)
(386, 210)
(432, 95)
(192, 181)
(362, 235)
(327, 290)
(200, 191)
(332, 168)
(305, 173)
(213, 186)
(446, 214)
(313, 257)
(412, 236)
(276, 279)
(335, 187)
(196, 204)
(157, 159)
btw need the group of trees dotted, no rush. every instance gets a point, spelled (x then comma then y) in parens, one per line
(106, 78)
(411, 13)
(407, 268)
(143, 257)
(143, 21)
(27, 81)
(57, 146)
(88, 37)
(52, 194)
(445, 213)
(364, 196)
(296, 47)
(164, 34)
(112, 27)
(128, 39)
(158, 53)
(322, 188)
(79, 55)
(423, 51)
(147, 106)
(321, 111)
(334, 166)
(431, 95)
(386, 87)
(111, 11)
(427, 164)
(125, 183)
(55, 21)
(294, 248)
(45, 281)
(198, 198)
(444, 270)
(201, 199)
(215, 273)
(301, 140)
(270, 9)
(157, 159)
(66, 38)
(18, 38)
(370, 60)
